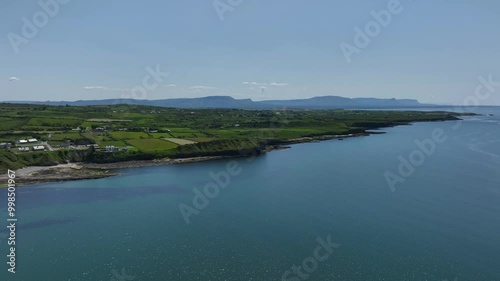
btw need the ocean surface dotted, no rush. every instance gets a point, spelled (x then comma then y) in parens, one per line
(439, 221)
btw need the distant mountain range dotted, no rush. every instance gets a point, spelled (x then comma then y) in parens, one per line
(325, 102)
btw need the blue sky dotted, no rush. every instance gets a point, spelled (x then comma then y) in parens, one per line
(433, 51)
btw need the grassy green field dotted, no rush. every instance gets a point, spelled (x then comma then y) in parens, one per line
(180, 141)
(152, 145)
(128, 135)
(71, 135)
(215, 131)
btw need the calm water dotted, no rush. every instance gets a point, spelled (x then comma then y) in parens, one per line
(443, 222)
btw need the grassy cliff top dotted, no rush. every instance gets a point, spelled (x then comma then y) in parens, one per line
(146, 132)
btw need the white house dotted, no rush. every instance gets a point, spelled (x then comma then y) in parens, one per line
(111, 148)
(38, 147)
(23, 141)
(32, 140)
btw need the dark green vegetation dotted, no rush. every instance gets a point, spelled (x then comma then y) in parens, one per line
(157, 132)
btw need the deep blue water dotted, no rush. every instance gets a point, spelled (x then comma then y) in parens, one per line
(442, 222)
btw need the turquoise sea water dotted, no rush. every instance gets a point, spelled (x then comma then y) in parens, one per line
(442, 223)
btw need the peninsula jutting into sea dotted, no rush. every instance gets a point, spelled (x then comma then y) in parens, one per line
(97, 137)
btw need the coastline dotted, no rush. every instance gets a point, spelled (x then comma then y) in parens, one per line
(85, 171)
(61, 172)
(150, 163)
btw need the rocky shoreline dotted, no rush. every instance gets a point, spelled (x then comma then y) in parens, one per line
(63, 172)
(149, 163)
(85, 171)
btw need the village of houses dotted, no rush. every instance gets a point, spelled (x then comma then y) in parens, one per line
(99, 137)
(25, 145)
(33, 144)
(28, 145)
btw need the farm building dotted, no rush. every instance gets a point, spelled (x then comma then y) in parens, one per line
(32, 140)
(5, 145)
(95, 146)
(38, 148)
(111, 148)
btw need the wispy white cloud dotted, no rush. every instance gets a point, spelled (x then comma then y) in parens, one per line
(170, 86)
(278, 84)
(13, 78)
(202, 88)
(94, 88)
(105, 88)
(254, 83)
(274, 84)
